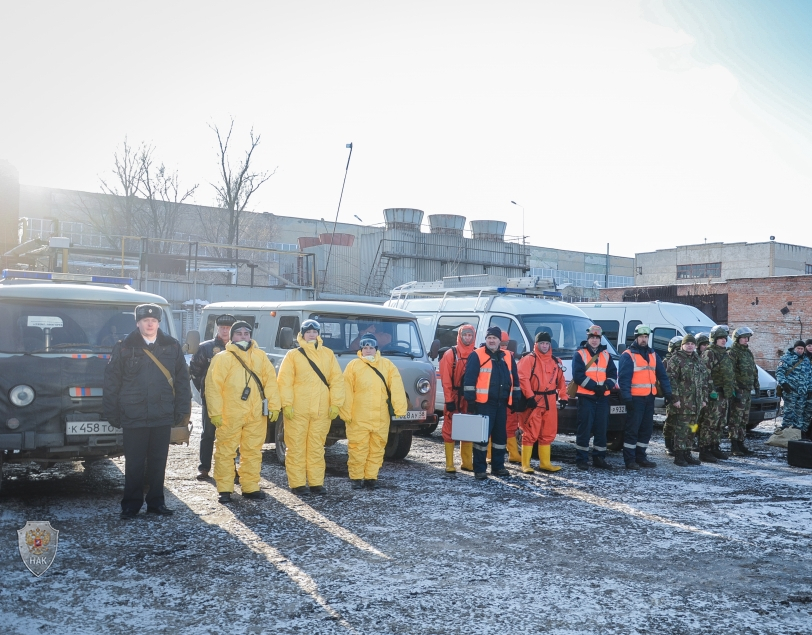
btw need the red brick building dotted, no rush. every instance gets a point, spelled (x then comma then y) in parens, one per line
(778, 308)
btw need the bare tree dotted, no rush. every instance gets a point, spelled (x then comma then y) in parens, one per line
(236, 185)
(128, 172)
(165, 200)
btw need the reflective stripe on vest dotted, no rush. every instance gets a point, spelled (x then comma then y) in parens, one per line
(596, 372)
(644, 378)
(483, 382)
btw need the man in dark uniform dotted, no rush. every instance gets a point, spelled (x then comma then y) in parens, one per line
(198, 368)
(146, 392)
(490, 385)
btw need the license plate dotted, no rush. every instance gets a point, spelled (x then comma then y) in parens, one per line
(84, 428)
(617, 410)
(770, 414)
(411, 415)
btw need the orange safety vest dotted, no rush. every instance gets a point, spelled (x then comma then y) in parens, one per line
(644, 379)
(596, 372)
(483, 382)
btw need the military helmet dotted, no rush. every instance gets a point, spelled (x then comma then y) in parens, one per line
(742, 331)
(642, 329)
(718, 332)
(674, 343)
(702, 338)
(308, 325)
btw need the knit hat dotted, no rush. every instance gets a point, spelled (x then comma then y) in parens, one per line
(543, 336)
(495, 331)
(148, 311)
(808, 342)
(799, 343)
(688, 339)
(240, 325)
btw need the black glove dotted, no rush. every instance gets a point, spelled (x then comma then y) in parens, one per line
(629, 405)
(451, 406)
(667, 399)
(115, 424)
(786, 387)
(532, 403)
(471, 408)
(606, 389)
(562, 403)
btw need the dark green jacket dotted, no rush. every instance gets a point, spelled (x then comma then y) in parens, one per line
(744, 368)
(688, 375)
(721, 370)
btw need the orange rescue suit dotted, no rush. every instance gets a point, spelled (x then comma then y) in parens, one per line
(541, 378)
(454, 361)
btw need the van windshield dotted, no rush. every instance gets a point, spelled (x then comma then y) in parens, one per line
(696, 330)
(566, 331)
(342, 334)
(54, 327)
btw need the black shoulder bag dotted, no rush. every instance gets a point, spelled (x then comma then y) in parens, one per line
(388, 392)
(316, 368)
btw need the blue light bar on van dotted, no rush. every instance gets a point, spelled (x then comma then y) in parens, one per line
(551, 294)
(64, 277)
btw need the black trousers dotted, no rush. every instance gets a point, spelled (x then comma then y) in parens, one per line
(206, 441)
(145, 452)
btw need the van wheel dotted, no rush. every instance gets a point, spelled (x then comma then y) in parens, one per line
(398, 445)
(279, 439)
(614, 441)
(427, 431)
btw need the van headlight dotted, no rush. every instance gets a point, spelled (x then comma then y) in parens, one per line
(422, 385)
(21, 395)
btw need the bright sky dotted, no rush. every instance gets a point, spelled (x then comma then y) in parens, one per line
(645, 124)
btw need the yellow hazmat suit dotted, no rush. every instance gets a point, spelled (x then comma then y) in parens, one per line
(366, 414)
(306, 431)
(243, 425)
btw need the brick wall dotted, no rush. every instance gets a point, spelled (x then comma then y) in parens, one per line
(757, 303)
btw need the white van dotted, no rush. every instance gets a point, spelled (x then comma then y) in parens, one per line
(276, 325)
(523, 307)
(58, 332)
(668, 319)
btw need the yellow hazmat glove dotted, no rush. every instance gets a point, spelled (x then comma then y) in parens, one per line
(333, 412)
(288, 412)
(273, 416)
(217, 421)
(693, 427)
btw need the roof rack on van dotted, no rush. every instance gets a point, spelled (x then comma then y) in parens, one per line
(52, 276)
(467, 286)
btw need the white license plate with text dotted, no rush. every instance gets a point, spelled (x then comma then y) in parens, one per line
(411, 415)
(770, 414)
(617, 410)
(84, 428)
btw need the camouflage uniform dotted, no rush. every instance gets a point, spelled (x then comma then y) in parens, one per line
(796, 372)
(668, 427)
(746, 379)
(688, 375)
(723, 384)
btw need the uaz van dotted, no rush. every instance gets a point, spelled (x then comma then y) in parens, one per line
(57, 335)
(276, 325)
(668, 319)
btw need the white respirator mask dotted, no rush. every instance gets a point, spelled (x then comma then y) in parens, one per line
(244, 344)
(369, 358)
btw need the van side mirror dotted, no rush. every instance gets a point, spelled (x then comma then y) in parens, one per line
(512, 347)
(192, 343)
(434, 349)
(286, 337)
(443, 351)
(621, 348)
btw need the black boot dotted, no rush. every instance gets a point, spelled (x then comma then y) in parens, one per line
(736, 447)
(706, 455)
(669, 446)
(689, 458)
(679, 459)
(600, 463)
(718, 453)
(357, 483)
(745, 450)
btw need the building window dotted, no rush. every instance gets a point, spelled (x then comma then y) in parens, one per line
(808, 268)
(706, 270)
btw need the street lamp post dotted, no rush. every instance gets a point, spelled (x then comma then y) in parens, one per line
(522, 206)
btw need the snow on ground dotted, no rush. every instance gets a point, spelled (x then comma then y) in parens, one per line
(716, 548)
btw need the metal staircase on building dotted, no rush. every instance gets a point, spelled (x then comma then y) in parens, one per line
(377, 274)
